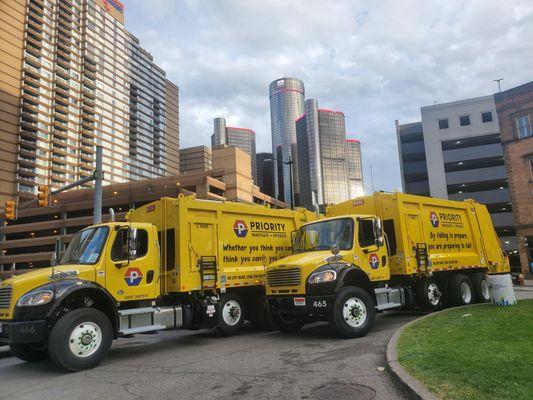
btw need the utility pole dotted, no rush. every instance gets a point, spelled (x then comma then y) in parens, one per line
(289, 163)
(498, 81)
(98, 177)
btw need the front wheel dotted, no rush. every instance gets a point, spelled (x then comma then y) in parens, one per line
(231, 313)
(80, 339)
(29, 351)
(353, 313)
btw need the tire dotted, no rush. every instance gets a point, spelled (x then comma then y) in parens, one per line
(257, 313)
(480, 285)
(429, 294)
(65, 344)
(354, 312)
(460, 290)
(29, 351)
(288, 323)
(231, 313)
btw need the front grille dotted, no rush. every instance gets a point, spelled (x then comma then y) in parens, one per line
(284, 277)
(5, 296)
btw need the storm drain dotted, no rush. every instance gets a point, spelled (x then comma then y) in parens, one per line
(342, 391)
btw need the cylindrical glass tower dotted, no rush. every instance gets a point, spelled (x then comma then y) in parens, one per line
(286, 105)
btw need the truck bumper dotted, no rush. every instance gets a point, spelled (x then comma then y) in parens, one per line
(22, 331)
(316, 305)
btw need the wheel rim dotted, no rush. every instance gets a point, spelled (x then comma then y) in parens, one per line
(85, 339)
(354, 312)
(485, 289)
(433, 294)
(231, 313)
(466, 292)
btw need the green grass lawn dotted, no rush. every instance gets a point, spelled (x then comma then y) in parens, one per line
(477, 352)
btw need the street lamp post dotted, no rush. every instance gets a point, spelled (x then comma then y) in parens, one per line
(289, 163)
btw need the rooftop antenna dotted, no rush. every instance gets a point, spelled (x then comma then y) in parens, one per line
(371, 178)
(498, 81)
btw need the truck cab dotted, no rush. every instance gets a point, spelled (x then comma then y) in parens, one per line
(335, 266)
(70, 311)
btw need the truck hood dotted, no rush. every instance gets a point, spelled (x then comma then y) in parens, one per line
(22, 284)
(308, 258)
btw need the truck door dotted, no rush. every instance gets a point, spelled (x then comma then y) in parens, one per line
(132, 264)
(372, 258)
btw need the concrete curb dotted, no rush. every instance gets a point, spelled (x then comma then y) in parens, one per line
(414, 388)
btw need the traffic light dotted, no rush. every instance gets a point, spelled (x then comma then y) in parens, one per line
(10, 209)
(44, 195)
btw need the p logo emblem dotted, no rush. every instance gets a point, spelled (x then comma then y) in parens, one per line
(434, 219)
(133, 276)
(373, 260)
(240, 228)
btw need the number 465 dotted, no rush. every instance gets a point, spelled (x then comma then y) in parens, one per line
(320, 303)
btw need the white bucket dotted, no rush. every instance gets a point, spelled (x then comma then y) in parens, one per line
(501, 290)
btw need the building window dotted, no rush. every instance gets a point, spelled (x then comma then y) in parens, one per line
(443, 123)
(486, 116)
(464, 120)
(530, 163)
(523, 126)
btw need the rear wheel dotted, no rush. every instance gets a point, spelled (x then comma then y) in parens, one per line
(80, 339)
(29, 351)
(429, 294)
(460, 290)
(480, 285)
(231, 313)
(353, 313)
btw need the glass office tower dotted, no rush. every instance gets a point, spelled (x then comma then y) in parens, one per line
(286, 105)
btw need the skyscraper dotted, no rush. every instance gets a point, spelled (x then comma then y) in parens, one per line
(355, 168)
(76, 78)
(243, 138)
(329, 166)
(265, 171)
(286, 104)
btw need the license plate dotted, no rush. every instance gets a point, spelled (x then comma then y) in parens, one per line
(299, 301)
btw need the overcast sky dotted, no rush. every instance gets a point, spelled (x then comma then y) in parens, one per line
(377, 61)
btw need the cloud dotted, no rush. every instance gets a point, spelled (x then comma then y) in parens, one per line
(376, 61)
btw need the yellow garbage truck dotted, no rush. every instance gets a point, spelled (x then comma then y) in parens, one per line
(384, 251)
(175, 263)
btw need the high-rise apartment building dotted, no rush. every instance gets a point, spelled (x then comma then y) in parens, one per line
(515, 115)
(243, 138)
(329, 166)
(286, 104)
(265, 173)
(355, 168)
(456, 153)
(83, 81)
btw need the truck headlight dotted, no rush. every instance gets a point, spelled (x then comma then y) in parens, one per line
(328, 275)
(36, 298)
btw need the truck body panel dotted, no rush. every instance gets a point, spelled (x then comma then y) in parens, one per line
(457, 235)
(240, 239)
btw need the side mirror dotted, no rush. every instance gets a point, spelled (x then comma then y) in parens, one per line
(378, 232)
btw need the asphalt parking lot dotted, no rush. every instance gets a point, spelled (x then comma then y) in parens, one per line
(311, 364)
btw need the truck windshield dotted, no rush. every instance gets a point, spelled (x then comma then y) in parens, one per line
(86, 246)
(322, 235)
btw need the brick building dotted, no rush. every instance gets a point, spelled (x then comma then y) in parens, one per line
(515, 114)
